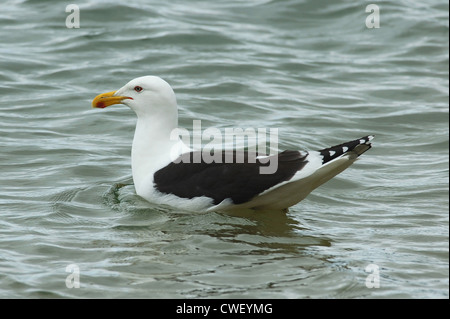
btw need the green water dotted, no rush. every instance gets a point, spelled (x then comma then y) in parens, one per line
(312, 69)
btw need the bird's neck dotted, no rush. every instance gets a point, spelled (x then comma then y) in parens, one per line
(153, 148)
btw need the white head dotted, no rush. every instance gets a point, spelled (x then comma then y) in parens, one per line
(154, 102)
(148, 96)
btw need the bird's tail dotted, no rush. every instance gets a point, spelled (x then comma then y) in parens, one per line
(355, 148)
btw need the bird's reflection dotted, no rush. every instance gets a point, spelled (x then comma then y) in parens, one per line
(267, 230)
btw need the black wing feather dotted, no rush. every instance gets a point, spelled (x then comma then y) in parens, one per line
(330, 153)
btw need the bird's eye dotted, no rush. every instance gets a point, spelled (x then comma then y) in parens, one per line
(138, 88)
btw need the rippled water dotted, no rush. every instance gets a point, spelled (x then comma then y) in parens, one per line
(312, 69)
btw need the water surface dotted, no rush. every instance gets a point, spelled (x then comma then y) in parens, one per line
(312, 69)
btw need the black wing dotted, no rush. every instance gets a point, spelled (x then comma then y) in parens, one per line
(190, 176)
